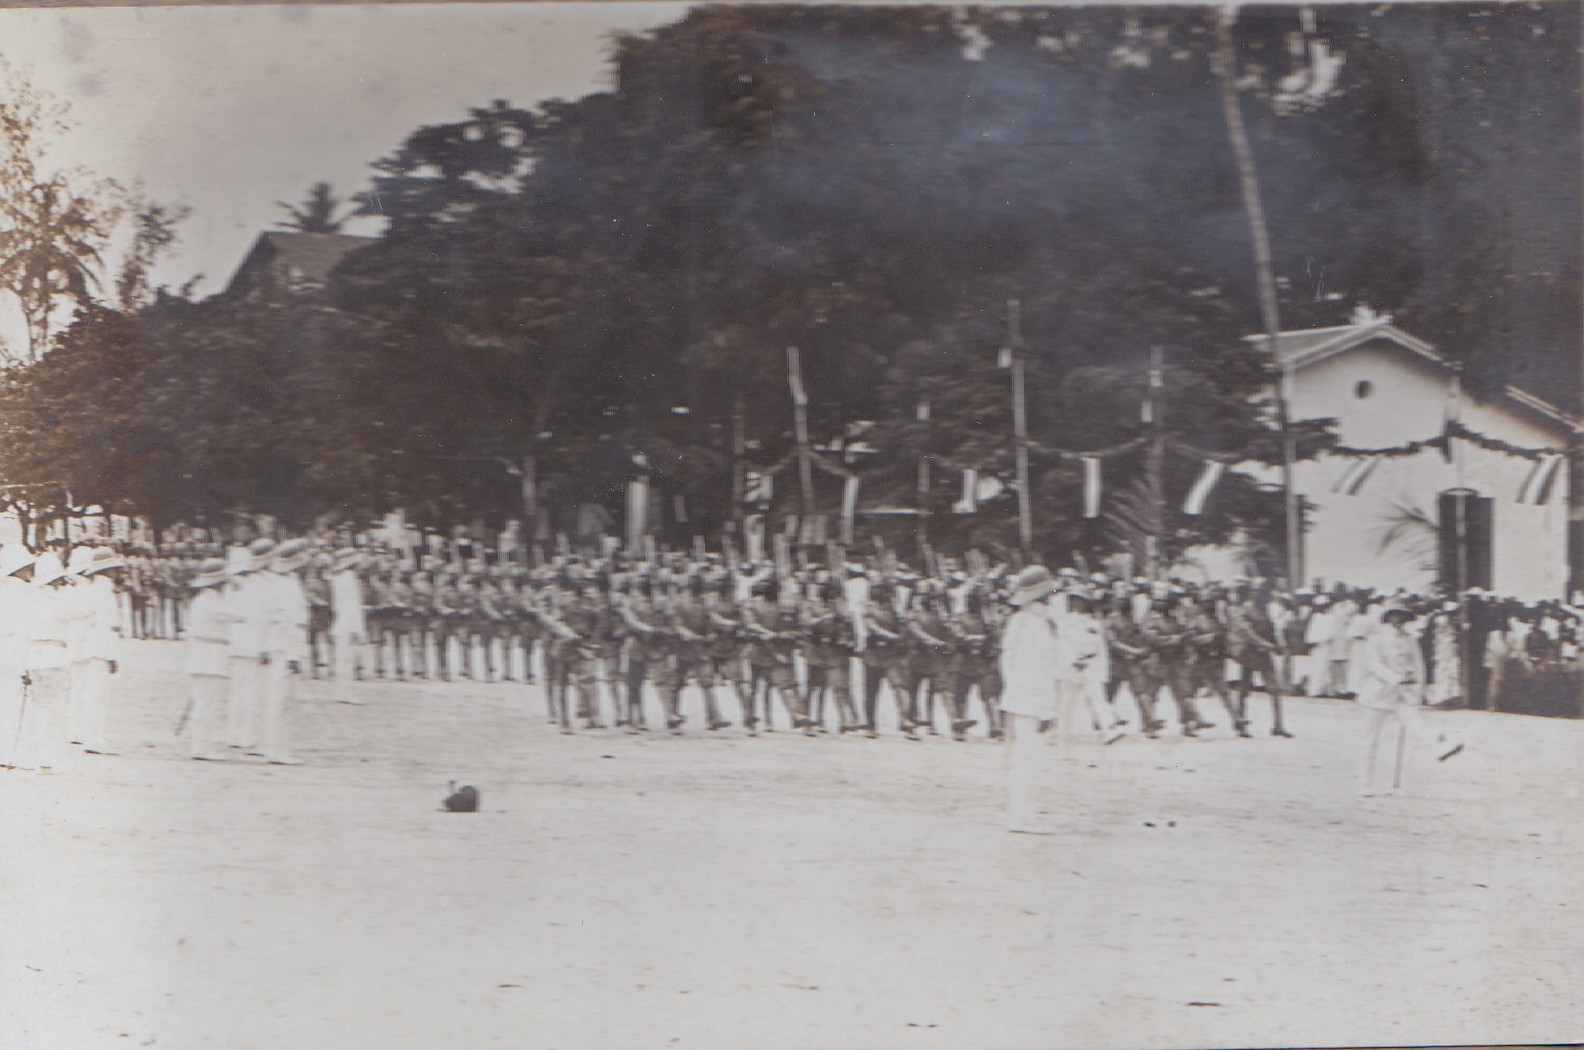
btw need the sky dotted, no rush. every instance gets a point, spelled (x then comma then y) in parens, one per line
(229, 110)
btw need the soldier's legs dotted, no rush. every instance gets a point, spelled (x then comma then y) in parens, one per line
(632, 692)
(783, 683)
(1209, 675)
(1146, 686)
(673, 674)
(987, 676)
(1265, 665)
(905, 683)
(206, 697)
(272, 713)
(585, 677)
(1180, 679)
(557, 683)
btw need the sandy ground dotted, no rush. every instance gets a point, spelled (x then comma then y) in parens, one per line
(626, 891)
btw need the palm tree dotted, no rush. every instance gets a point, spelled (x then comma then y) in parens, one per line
(50, 251)
(316, 214)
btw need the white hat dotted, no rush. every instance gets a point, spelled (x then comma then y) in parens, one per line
(1032, 584)
(104, 559)
(210, 572)
(14, 558)
(81, 558)
(48, 569)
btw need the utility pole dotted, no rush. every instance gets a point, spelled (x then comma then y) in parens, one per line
(921, 531)
(1020, 426)
(1225, 64)
(800, 432)
(1155, 465)
(739, 442)
(1575, 526)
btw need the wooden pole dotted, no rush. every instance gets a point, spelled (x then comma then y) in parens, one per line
(1224, 62)
(1155, 466)
(921, 529)
(739, 444)
(800, 424)
(1020, 428)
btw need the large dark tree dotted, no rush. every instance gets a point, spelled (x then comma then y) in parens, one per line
(564, 287)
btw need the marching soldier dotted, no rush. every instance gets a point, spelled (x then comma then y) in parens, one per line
(1166, 661)
(929, 654)
(1252, 643)
(647, 647)
(689, 621)
(1130, 663)
(1205, 653)
(885, 659)
(828, 651)
(771, 629)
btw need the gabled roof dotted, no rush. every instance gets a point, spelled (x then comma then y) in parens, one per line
(1295, 350)
(310, 257)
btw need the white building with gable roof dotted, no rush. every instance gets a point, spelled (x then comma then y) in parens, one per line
(1387, 521)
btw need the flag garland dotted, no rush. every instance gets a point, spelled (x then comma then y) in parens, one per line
(1358, 472)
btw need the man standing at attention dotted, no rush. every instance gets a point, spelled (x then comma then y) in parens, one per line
(1029, 672)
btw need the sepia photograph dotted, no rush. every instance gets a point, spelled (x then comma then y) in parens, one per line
(771, 526)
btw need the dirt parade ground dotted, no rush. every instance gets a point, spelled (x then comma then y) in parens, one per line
(625, 891)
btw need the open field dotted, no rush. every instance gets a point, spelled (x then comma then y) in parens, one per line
(648, 891)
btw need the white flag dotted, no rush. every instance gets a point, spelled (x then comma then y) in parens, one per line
(1091, 493)
(1536, 488)
(1195, 503)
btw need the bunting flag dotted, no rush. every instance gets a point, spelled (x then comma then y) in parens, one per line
(969, 504)
(849, 507)
(1195, 503)
(637, 512)
(757, 487)
(1536, 488)
(1091, 491)
(754, 535)
(1353, 478)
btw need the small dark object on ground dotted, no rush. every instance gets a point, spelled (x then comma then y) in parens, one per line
(462, 800)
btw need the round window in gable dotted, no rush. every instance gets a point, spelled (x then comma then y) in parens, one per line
(1364, 388)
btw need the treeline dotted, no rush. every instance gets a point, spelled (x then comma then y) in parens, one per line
(572, 294)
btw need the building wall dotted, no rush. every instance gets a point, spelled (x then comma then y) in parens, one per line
(1349, 538)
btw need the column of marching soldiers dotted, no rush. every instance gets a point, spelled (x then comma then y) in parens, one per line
(605, 636)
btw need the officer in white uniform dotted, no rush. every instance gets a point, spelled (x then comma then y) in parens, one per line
(208, 661)
(348, 625)
(16, 599)
(93, 630)
(284, 605)
(48, 667)
(246, 600)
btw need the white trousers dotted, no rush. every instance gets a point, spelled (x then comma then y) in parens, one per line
(208, 694)
(1030, 764)
(243, 701)
(90, 686)
(36, 734)
(1379, 772)
(1084, 708)
(349, 657)
(272, 714)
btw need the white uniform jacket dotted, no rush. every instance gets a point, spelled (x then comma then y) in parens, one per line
(1029, 663)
